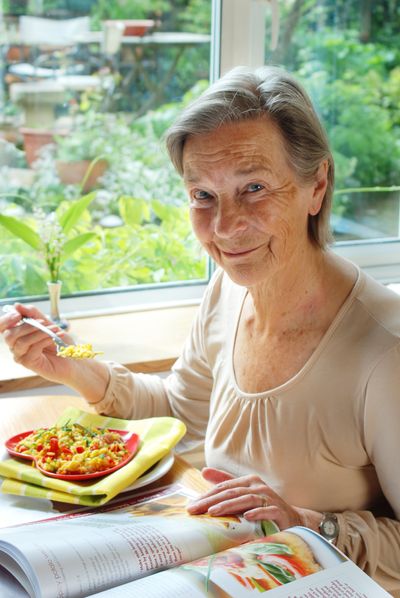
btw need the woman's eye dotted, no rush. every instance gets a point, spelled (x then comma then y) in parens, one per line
(199, 194)
(253, 187)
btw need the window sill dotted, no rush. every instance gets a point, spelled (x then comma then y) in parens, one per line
(144, 341)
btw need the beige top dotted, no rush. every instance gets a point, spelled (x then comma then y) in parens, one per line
(328, 439)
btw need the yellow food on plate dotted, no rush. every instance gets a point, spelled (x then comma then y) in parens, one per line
(78, 351)
(74, 449)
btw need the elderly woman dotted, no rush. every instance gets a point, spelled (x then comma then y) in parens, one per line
(291, 373)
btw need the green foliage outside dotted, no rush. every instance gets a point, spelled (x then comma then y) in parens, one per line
(138, 219)
(348, 57)
(152, 242)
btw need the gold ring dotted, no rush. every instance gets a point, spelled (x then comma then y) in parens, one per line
(264, 502)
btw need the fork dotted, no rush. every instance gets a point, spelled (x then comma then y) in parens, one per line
(32, 322)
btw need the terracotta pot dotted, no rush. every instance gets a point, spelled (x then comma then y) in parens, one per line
(17, 54)
(73, 173)
(34, 140)
(136, 26)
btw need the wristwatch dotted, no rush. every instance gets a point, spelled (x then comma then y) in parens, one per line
(329, 527)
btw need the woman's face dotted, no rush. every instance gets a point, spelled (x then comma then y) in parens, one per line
(248, 209)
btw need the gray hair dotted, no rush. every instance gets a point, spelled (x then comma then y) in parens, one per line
(246, 93)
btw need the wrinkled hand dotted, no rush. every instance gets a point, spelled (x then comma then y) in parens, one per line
(248, 495)
(30, 347)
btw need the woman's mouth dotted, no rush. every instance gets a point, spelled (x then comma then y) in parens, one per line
(238, 253)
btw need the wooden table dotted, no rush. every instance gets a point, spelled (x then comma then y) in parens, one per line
(26, 413)
(172, 38)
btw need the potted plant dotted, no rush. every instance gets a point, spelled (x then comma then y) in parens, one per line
(34, 141)
(84, 171)
(54, 237)
(81, 153)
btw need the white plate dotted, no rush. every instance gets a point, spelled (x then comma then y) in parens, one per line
(156, 472)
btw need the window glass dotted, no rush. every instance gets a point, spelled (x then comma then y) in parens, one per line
(87, 193)
(347, 54)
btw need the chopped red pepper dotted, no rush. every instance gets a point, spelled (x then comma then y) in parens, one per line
(54, 445)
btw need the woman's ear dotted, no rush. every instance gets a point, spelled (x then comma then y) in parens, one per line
(320, 184)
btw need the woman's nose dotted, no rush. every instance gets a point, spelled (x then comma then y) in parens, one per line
(229, 219)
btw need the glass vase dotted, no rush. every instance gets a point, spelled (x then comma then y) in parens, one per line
(55, 296)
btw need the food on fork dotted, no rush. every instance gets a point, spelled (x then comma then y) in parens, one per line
(74, 449)
(63, 350)
(78, 351)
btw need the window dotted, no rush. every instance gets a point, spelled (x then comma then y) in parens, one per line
(88, 88)
(346, 54)
(106, 93)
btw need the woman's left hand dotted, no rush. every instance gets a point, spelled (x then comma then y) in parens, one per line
(249, 496)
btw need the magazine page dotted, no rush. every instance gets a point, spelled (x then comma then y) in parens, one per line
(298, 557)
(79, 554)
(9, 586)
(338, 578)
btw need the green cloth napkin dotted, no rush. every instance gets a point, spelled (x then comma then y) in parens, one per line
(158, 435)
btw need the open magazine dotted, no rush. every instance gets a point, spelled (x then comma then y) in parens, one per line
(149, 546)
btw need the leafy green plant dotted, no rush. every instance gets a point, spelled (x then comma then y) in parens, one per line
(89, 138)
(52, 235)
(356, 89)
(154, 244)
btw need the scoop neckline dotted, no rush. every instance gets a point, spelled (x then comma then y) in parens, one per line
(313, 357)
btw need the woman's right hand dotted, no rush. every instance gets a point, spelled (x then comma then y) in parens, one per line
(32, 348)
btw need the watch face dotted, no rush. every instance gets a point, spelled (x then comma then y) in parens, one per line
(329, 528)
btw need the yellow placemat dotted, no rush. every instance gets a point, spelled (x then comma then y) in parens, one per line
(158, 435)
